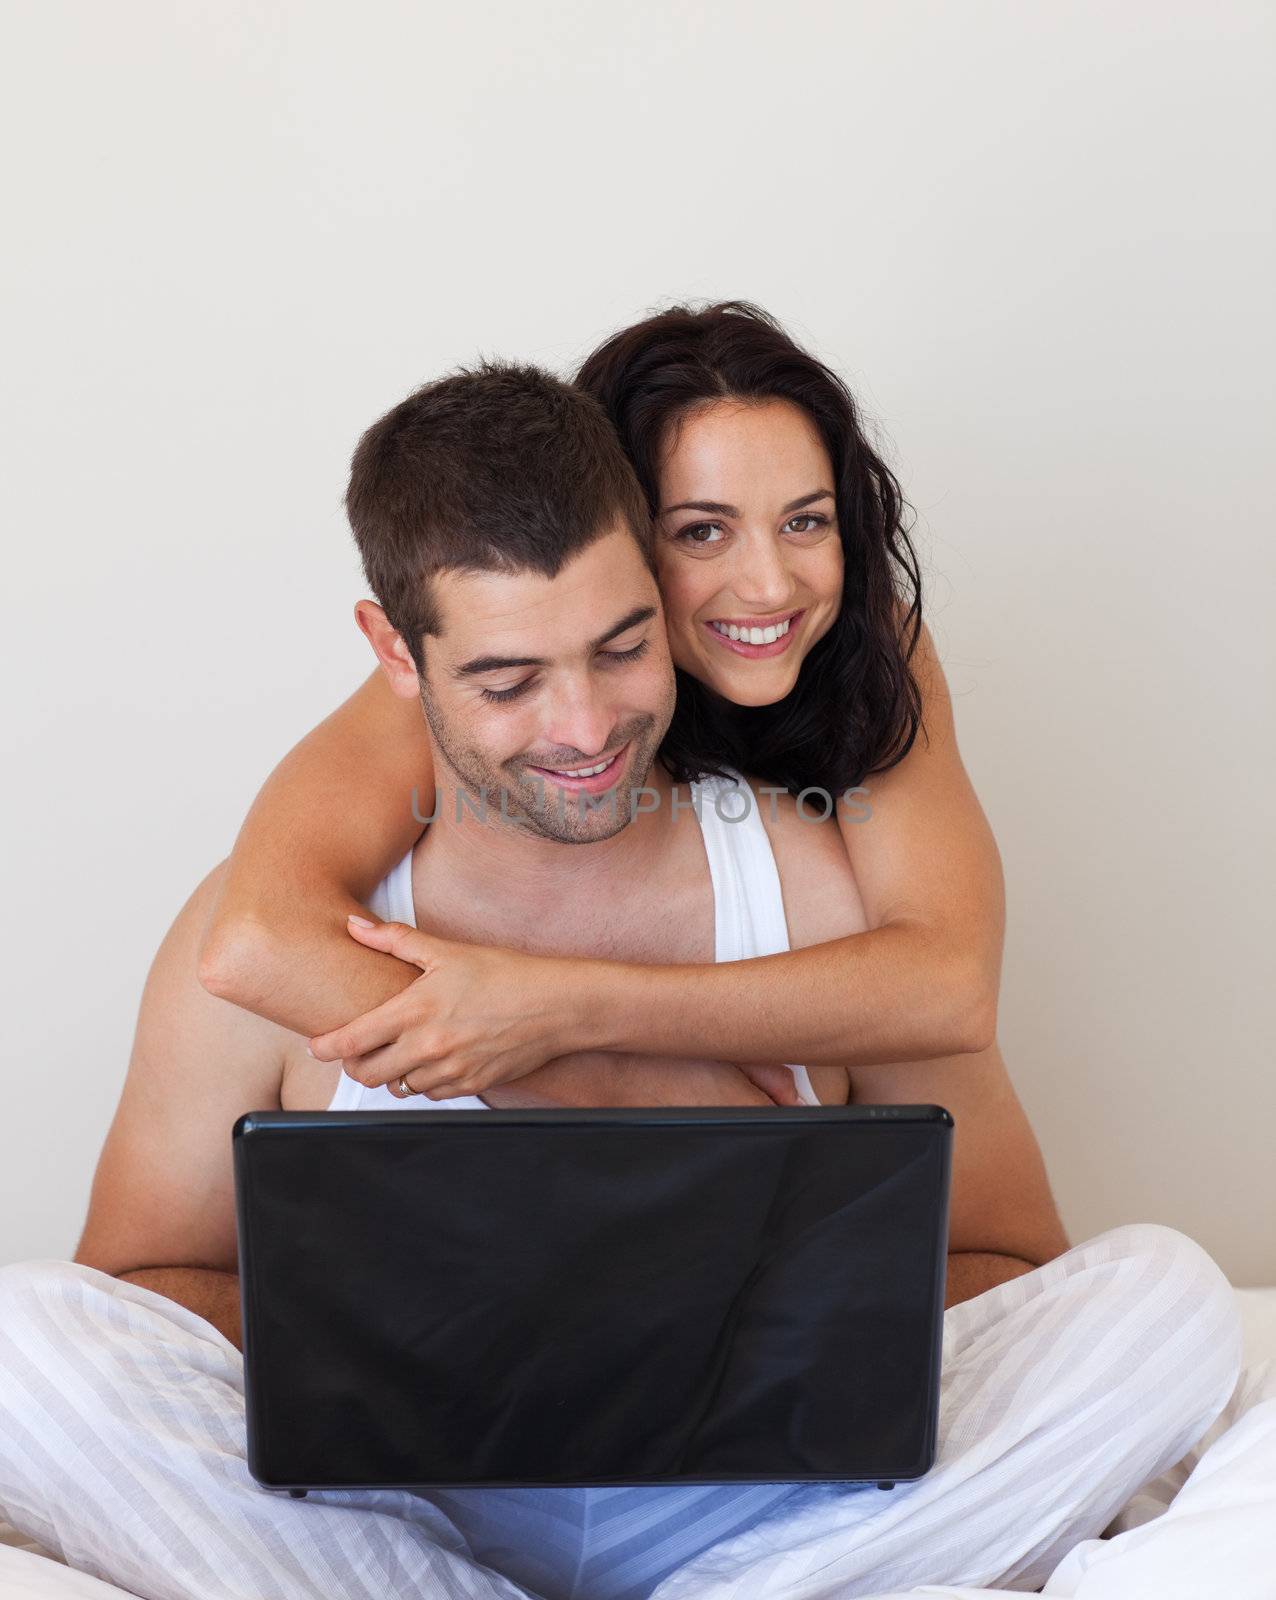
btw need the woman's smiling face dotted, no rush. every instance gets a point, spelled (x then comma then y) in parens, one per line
(747, 539)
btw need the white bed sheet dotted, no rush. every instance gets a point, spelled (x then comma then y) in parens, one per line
(1228, 1510)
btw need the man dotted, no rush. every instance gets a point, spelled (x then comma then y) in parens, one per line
(121, 1414)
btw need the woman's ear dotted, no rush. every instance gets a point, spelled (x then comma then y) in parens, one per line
(394, 656)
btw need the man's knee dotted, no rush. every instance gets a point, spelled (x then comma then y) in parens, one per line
(42, 1303)
(29, 1285)
(38, 1326)
(1165, 1256)
(1182, 1292)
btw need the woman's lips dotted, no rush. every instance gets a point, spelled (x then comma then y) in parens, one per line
(598, 783)
(776, 648)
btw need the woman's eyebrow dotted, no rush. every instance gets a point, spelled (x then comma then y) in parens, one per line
(721, 510)
(806, 500)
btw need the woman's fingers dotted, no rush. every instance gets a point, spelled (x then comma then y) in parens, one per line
(469, 1020)
(436, 1080)
(380, 1026)
(384, 1023)
(396, 939)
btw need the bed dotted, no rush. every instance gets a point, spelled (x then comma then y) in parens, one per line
(1222, 1544)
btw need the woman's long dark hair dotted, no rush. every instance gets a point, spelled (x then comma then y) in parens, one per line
(855, 708)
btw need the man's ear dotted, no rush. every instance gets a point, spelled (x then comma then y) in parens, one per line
(394, 656)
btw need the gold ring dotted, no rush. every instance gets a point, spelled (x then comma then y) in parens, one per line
(404, 1091)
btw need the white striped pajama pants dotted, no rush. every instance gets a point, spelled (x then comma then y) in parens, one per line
(122, 1450)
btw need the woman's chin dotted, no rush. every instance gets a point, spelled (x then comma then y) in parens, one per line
(746, 679)
(760, 686)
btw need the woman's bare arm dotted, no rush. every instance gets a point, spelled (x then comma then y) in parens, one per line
(917, 979)
(926, 860)
(331, 820)
(920, 983)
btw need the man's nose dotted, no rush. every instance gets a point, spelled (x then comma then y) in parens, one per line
(581, 718)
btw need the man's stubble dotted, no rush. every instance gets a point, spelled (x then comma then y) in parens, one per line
(515, 796)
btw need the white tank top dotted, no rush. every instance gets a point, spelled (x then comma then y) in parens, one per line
(748, 914)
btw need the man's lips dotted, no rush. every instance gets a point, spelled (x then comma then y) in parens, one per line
(596, 784)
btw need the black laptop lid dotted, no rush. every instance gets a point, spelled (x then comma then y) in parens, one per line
(660, 1295)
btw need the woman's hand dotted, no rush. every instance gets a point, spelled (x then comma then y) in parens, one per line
(478, 1015)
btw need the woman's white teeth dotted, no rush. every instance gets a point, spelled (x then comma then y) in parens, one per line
(753, 635)
(583, 772)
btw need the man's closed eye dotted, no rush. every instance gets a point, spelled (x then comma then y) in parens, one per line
(499, 696)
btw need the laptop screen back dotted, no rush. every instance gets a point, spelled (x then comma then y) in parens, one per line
(576, 1297)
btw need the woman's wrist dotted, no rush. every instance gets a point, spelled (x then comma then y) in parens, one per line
(629, 1006)
(593, 998)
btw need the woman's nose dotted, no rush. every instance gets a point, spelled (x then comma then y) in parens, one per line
(761, 578)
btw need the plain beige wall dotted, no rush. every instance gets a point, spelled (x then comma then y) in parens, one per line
(1036, 239)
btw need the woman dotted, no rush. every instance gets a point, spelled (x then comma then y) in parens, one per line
(772, 512)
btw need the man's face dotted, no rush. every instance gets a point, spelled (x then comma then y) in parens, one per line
(532, 679)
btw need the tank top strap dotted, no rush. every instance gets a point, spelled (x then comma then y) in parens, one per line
(391, 900)
(748, 903)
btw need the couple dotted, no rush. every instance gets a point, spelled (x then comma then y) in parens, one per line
(573, 630)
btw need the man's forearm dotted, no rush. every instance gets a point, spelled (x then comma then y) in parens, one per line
(973, 1272)
(601, 1078)
(207, 1292)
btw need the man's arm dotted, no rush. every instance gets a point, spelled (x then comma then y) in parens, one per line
(211, 1294)
(1003, 1219)
(1001, 1209)
(972, 1272)
(602, 1078)
(162, 1208)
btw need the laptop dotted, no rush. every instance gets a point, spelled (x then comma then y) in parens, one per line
(664, 1295)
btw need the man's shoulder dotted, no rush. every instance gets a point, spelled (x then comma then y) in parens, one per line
(809, 821)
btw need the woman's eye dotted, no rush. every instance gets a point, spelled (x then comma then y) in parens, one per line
(498, 695)
(697, 532)
(812, 522)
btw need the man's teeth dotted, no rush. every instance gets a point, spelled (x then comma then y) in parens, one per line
(582, 772)
(753, 635)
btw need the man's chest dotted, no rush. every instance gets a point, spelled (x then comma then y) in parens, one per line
(659, 911)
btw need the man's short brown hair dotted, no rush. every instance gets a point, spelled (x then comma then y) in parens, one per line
(497, 468)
